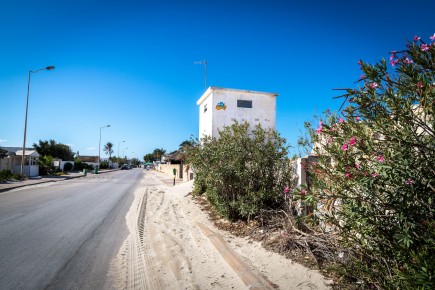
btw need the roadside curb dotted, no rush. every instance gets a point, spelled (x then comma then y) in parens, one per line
(62, 178)
(251, 280)
(39, 182)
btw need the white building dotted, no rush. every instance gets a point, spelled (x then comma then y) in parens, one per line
(219, 107)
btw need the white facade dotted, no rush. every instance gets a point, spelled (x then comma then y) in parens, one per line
(219, 107)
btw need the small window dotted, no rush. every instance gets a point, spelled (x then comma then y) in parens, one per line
(244, 104)
(205, 108)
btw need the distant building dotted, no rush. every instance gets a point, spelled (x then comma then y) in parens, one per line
(91, 159)
(13, 159)
(219, 107)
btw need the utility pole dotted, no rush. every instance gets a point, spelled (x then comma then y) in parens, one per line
(204, 62)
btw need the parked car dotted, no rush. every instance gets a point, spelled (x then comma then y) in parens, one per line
(125, 166)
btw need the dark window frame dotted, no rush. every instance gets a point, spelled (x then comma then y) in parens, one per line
(244, 104)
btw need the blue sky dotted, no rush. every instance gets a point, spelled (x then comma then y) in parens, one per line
(130, 63)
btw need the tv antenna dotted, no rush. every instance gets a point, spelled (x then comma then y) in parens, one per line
(204, 62)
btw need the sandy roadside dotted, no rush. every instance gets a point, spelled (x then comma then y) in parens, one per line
(167, 250)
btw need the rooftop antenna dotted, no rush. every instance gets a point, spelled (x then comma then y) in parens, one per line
(204, 62)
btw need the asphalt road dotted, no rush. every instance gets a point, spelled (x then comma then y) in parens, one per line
(64, 235)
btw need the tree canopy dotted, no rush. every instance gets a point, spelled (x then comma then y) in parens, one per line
(158, 153)
(108, 149)
(54, 149)
(3, 153)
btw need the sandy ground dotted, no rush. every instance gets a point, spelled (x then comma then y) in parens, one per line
(166, 249)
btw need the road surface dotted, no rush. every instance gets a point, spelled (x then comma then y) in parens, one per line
(64, 235)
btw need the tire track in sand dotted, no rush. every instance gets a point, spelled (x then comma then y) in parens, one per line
(165, 248)
(134, 267)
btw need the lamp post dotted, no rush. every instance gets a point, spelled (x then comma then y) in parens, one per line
(119, 144)
(131, 156)
(99, 145)
(27, 107)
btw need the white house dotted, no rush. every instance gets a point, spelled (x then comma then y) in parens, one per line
(219, 107)
(13, 161)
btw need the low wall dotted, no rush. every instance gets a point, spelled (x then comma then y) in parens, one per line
(168, 169)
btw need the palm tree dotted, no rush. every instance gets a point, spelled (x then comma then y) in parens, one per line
(108, 149)
(158, 153)
(186, 144)
(183, 147)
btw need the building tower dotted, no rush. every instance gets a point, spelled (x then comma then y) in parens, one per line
(219, 107)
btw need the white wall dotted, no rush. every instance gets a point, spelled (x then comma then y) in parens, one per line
(263, 110)
(206, 116)
(29, 170)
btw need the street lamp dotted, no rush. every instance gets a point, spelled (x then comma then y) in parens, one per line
(119, 144)
(99, 145)
(131, 156)
(25, 120)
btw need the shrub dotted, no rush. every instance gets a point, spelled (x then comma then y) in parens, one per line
(16, 176)
(374, 182)
(45, 165)
(78, 164)
(88, 166)
(5, 175)
(104, 165)
(242, 172)
(67, 167)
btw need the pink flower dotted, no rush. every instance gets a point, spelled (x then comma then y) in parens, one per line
(330, 140)
(348, 175)
(344, 147)
(320, 128)
(424, 47)
(374, 85)
(361, 77)
(374, 174)
(409, 181)
(416, 38)
(381, 158)
(394, 62)
(393, 55)
(419, 85)
(357, 165)
(286, 189)
(352, 141)
(432, 37)
(340, 120)
(356, 119)
(303, 191)
(408, 61)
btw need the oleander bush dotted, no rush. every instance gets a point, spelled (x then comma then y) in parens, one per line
(373, 184)
(242, 172)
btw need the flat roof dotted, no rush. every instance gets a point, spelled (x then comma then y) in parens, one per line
(210, 89)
